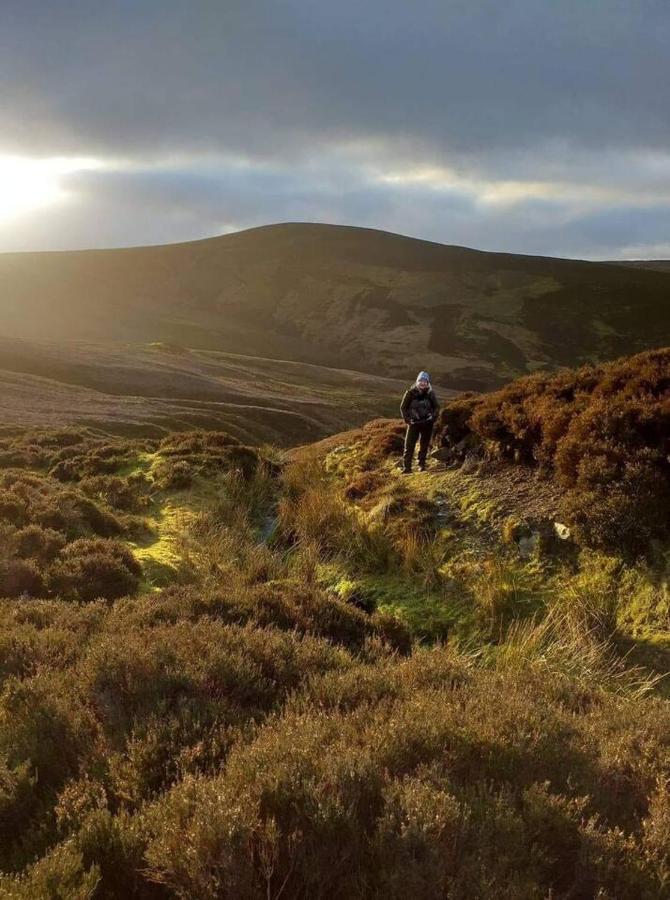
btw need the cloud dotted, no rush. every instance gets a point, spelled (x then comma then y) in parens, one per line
(129, 206)
(512, 121)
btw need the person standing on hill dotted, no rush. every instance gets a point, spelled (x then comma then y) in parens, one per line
(419, 410)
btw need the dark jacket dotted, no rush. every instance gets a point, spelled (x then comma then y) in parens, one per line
(419, 406)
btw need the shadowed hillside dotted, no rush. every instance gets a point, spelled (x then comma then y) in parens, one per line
(157, 388)
(345, 297)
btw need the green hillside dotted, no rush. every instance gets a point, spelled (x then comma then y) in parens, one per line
(343, 297)
(228, 671)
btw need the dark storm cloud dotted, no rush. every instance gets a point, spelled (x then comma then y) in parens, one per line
(273, 76)
(250, 112)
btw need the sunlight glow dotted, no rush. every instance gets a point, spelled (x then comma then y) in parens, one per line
(27, 184)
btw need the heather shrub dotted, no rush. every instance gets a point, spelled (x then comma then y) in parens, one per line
(243, 669)
(382, 784)
(28, 499)
(65, 470)
(21, 577)
(12, 508)
(99, 520)
(657, 829)
(113, 845)
(60, 875)
(173, 474)
(382, 438)
(92, 457)
(602, 431)
(185, 442)
(202, 453)
(129, 494)
(44, 734)
(44, 635)
(92, 568)
(41, 544)
(363, 484)
(288, 605)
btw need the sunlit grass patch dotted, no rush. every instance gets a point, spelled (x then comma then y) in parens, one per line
(159, 551)
(142, 462)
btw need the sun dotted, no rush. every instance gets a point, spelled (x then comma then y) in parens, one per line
(27, 184)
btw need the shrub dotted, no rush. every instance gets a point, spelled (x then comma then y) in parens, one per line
(362, 485)
(174, 474)
(20, 577)
(12, 508)
(129, 494)
(602, 431)
(60, 874)
(45, 733)
(88, 569)
(42, 544)
(396, 776)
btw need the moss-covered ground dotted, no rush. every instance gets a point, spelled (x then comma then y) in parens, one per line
(492, 554)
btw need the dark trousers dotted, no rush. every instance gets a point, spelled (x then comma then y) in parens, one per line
(421, 432)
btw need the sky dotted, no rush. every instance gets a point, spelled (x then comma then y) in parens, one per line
(529, 126)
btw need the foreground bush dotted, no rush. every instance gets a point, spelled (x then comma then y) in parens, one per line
(89, 569)
(426, 779)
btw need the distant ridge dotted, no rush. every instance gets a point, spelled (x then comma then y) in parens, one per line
(345, 297)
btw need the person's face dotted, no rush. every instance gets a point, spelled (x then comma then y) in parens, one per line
(423, 384)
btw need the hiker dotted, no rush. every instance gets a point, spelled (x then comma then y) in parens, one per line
(419, 410)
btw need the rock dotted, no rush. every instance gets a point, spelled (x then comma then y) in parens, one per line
(442, 454)
(562, 531)
(470, 464)
(528, 543)
(444, 513)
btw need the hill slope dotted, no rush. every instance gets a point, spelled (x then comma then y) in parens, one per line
(156, 388)
(346, 297)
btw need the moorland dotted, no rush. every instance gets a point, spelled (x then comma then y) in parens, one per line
(238, 670)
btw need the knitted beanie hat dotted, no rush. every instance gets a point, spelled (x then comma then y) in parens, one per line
(423, 376)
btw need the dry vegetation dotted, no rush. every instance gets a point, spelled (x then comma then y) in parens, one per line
(603, 432)
(284, 718)
(156, 388)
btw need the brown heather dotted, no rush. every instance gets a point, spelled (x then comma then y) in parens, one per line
(262, 725)
(602, 431)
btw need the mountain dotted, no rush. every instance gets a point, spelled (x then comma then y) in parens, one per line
(343, 297)
(658, 265)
